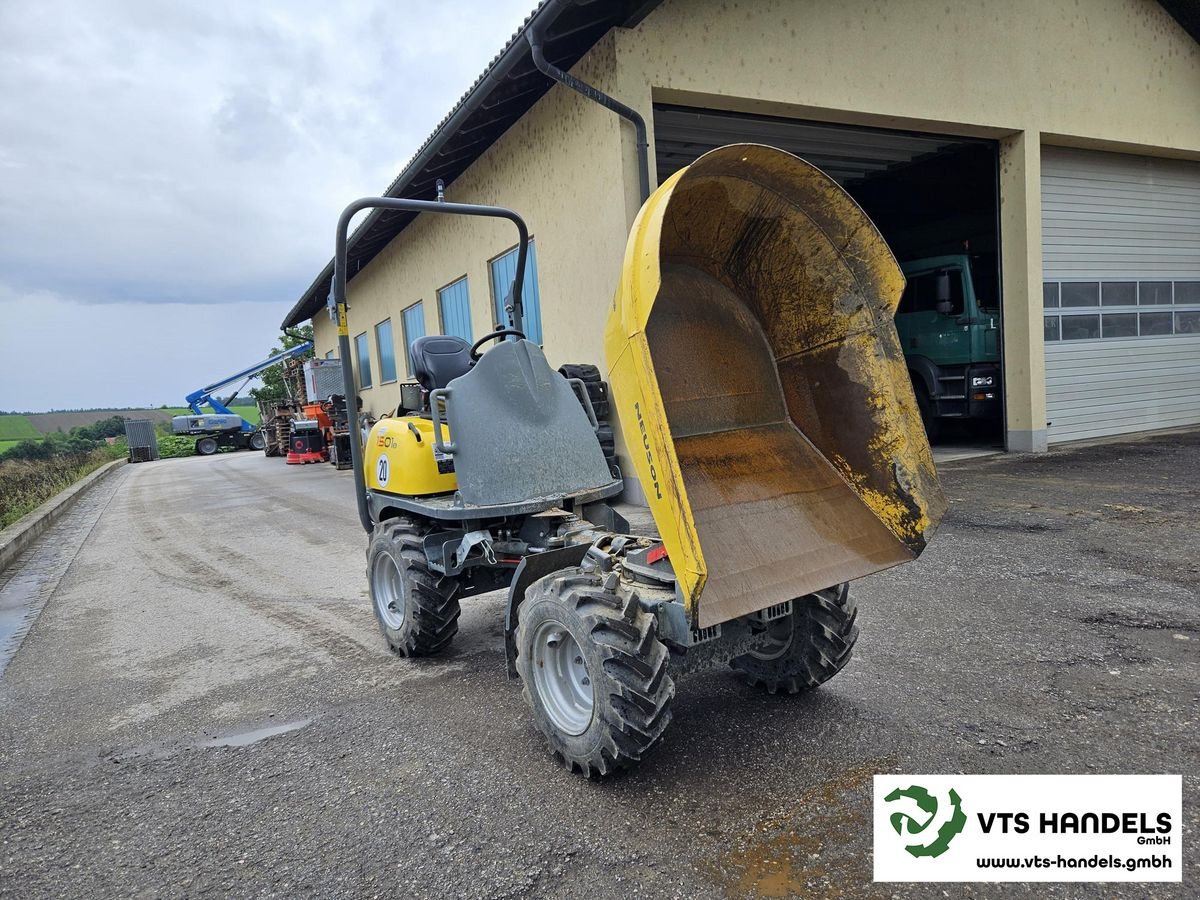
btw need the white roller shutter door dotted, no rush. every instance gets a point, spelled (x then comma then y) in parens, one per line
(1121, 273)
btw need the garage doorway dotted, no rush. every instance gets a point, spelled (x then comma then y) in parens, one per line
(935, 199)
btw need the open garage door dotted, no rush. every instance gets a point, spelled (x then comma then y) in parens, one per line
(1121, 273)
(934, 198)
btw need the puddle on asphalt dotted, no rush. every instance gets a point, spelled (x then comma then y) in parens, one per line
(246, 738)
(807, 850)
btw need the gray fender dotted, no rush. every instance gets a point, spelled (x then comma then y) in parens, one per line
(532, 568)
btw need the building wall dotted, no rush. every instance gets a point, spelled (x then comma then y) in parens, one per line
(559, 168)
(1111, 74)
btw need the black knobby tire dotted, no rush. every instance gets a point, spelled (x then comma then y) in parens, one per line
(583, 371)
(626, 664)
(207, 446)
(810, 645)
(597, 390)
(257, 441)
(416, 608)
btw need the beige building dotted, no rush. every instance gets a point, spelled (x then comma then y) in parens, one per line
(1059, 138)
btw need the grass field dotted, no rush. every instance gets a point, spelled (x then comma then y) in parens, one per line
(4, 445)
(17, 428)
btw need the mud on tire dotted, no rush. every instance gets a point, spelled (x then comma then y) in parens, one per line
(808, 647)
(574, 624)
(416, 608)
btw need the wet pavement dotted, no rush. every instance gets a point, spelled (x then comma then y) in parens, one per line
(28, 583)
(204, 706)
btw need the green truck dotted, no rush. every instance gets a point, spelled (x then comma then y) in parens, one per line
(949, 325)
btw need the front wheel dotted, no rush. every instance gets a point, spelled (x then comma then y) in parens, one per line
(416, 607)
(206, 446)
(594, 672)
(928, 411)
(807, 647)
(257, 441)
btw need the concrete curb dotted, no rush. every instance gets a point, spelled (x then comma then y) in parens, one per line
(16, 538)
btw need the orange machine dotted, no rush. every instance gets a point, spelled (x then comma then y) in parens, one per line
(311, 436)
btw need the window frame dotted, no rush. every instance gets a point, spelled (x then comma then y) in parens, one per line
(1137, 305)
(379, 351)
(464, 279)
(494, 309)
(358, 361)
(408, 360)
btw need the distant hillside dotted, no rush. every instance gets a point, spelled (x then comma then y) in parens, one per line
(14, 428)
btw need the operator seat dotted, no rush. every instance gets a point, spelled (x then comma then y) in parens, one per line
(440, 358)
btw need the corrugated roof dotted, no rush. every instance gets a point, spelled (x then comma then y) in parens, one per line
(505, 91)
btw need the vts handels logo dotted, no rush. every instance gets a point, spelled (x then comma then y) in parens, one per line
(918, 811)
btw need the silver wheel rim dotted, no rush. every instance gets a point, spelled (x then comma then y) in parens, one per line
(561, 678)
(780, 635)
(387, 590)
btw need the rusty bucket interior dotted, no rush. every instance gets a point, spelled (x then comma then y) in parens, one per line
(783, 382)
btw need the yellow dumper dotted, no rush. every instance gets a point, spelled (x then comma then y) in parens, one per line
(765, 404)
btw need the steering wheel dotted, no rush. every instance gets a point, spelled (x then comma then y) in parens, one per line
(493, 336)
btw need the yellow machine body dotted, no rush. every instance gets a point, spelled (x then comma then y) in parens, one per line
(399, 458)
(761, 386)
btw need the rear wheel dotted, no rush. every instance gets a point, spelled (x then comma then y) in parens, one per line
(206, 446)
(594, 672)
(257, 441)
(416, 607)
(807, 647)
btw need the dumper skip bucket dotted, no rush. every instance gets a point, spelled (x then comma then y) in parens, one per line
(761, 387)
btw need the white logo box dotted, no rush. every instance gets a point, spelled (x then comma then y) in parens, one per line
(1042, 828)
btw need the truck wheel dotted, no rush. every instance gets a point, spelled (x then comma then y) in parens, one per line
(206, 446)
(925, 405)
(257, 441)
(417, 608)
(594, 672)
(806, 648)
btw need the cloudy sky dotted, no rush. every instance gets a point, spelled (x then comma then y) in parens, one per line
(171, 172)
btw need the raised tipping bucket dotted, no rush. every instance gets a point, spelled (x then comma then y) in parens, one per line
(761, 386)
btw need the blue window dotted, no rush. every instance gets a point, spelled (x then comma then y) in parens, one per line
(414, 327)
(454, 306)
(363, 352)
(503, 271)
(387, 351)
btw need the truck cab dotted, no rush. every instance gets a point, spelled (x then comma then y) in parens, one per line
(948, 322)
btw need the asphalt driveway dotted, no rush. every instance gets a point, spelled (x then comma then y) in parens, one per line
(204, 706)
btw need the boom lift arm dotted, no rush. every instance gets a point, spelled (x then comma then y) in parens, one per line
(197, 399)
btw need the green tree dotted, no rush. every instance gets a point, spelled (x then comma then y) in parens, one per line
(272, 378)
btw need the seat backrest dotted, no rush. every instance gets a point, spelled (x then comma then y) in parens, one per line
(438, 359)
(520, 432)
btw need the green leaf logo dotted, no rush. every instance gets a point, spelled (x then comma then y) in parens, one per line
(920, 813)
